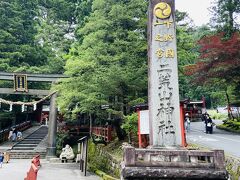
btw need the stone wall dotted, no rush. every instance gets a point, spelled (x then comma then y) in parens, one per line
(233, 167)
(99, 159)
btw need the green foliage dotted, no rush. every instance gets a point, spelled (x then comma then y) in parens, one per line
(6, 119)
(224, 15)
(232, 170)
(103, 46)
(108, 63)
(18, 50)
(231, 125)
(100, 158)
(217, 54)
(61, 136)
(96, 160)
(219, 116)
(131, 123)
(187, 52)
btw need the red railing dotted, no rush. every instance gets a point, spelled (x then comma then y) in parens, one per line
(20, 127)
(103, 132)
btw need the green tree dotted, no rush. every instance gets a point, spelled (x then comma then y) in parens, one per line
(187, 52)
(224, 16)
(18, 50)
(108, 64)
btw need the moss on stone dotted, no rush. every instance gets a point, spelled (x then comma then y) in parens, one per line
(101, 160)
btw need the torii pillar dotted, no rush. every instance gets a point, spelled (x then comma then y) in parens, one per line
(52, 128)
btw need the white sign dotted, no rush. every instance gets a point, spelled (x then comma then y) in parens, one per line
(144, 122)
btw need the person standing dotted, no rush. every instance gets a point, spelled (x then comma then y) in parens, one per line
(6, 156)
(204, 119)
(19, 135)
(1, 159)
(10, 134)
(14, 134)
(187, 122)
(209, 125)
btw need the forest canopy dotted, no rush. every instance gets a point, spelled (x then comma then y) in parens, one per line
(102, 46)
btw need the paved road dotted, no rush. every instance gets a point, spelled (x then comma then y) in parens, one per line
(17, 169)
(220, 139)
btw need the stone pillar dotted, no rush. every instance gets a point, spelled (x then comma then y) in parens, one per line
(164, 113)
(52, 128)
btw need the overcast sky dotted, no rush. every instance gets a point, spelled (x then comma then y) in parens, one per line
(197, 10)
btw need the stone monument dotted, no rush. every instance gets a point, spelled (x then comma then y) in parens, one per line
(166, 158)
(164, 113)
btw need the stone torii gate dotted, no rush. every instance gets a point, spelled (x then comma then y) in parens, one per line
(20, 87)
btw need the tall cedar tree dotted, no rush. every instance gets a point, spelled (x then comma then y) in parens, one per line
(108, 64)
(18, 51)
(225, 13)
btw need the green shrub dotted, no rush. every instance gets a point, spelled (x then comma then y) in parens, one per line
(98, 159)
(59, 142)
(230, 125)
(131, 123)
(219, 116)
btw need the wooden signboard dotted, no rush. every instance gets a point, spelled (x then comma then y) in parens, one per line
(20, 83)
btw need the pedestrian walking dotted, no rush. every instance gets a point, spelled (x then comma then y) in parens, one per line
(1, 159)
(209, 125)
(14, 135)
(10, 134)
(204, 119)
(19, 135)
(187, 122)
(6, 157)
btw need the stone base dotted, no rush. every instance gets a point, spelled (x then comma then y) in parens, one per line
(51, 152)
(54, 160)
(173, 163)
(137, 173)
(48, 158)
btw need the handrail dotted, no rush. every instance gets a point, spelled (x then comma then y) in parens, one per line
(82, 139)
(21, 127)
(83, 146)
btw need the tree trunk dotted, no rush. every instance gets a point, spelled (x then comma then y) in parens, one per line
(90, 125)
(230, 115)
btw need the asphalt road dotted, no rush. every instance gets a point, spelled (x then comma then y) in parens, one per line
(229, 142)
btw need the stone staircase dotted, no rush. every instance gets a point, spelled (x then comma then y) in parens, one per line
(26, 154)
(29, 146)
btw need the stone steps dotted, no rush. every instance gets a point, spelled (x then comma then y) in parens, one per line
(34, 139)
(27, 142)
(16, 154)
(24, 148)
(28, 145)
(27, 148)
